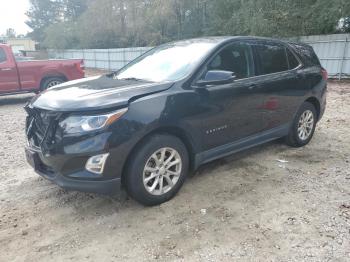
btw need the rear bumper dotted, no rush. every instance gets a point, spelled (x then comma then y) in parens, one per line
(323, 104)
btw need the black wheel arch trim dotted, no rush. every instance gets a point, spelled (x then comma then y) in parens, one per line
(175, 131)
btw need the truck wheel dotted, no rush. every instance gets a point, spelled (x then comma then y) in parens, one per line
(157, 170)
(303, 126)
(50, 82)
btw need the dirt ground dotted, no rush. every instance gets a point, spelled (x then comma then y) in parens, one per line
(247, 207)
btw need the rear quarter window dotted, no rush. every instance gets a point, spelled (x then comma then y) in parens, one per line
(307, 54)
(2, 55)
(292, 60)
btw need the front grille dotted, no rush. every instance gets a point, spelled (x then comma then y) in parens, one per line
(40, 127)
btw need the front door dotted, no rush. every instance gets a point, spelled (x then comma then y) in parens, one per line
(231, 111)
(8, 74)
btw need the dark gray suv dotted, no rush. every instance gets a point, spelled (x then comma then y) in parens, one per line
(180, 105)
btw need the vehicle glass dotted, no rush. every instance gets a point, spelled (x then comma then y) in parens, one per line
(2, 55)
(308, 54)
(292, 61)
(236, 58)
(272, 58)
(168, 62)
(313, 57)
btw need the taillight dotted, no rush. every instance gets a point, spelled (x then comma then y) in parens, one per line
(80, 66)
(324, 74)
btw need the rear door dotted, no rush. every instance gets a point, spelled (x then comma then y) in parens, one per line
(8, 73)
(279, 82)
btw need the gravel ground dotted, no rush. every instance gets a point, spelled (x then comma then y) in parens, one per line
(247, 207)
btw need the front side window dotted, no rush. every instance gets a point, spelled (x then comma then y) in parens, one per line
(2, 55)
(272, 58)
(168, 62)
(236, 58)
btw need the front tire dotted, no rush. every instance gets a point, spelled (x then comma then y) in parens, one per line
(303, 126)
(157, 170)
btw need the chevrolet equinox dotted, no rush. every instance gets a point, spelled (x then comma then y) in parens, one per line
(178, 106)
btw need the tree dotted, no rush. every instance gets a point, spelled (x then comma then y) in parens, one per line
(99, 26)
(10, 32)
(41, 14)
(44, 13)
(72, 9)
(344, 25)
(124, 23)
(61, 36)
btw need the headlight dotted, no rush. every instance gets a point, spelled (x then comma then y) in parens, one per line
(81, 124)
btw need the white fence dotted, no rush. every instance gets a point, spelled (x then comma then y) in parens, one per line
(109, 59)
(333, 51)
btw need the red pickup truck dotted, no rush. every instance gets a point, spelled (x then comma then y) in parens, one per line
(36, 75)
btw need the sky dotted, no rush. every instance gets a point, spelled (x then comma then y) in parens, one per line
(12, 16)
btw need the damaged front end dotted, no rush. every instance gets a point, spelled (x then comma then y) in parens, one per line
(64, 160)
(41, 126)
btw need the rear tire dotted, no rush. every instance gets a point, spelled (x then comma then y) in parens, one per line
(50, 82)
(157, 170)
(303, 126)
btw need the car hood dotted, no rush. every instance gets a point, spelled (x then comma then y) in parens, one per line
(95, 93)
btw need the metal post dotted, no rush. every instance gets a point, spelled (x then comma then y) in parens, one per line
(95, 58)
(124, 57)
(109, 61)
(343, 59)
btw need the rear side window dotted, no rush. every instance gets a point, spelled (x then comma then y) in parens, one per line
(272, 58)
(2, 55)
(292, 60)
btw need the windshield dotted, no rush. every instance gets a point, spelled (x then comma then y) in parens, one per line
(167, 62)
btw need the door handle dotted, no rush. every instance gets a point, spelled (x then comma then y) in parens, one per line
(6, 69)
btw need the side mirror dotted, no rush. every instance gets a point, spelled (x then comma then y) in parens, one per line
(216, 77)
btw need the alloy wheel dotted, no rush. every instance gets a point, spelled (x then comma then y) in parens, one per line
(53, 83)
(305, 125)
(162, 171)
